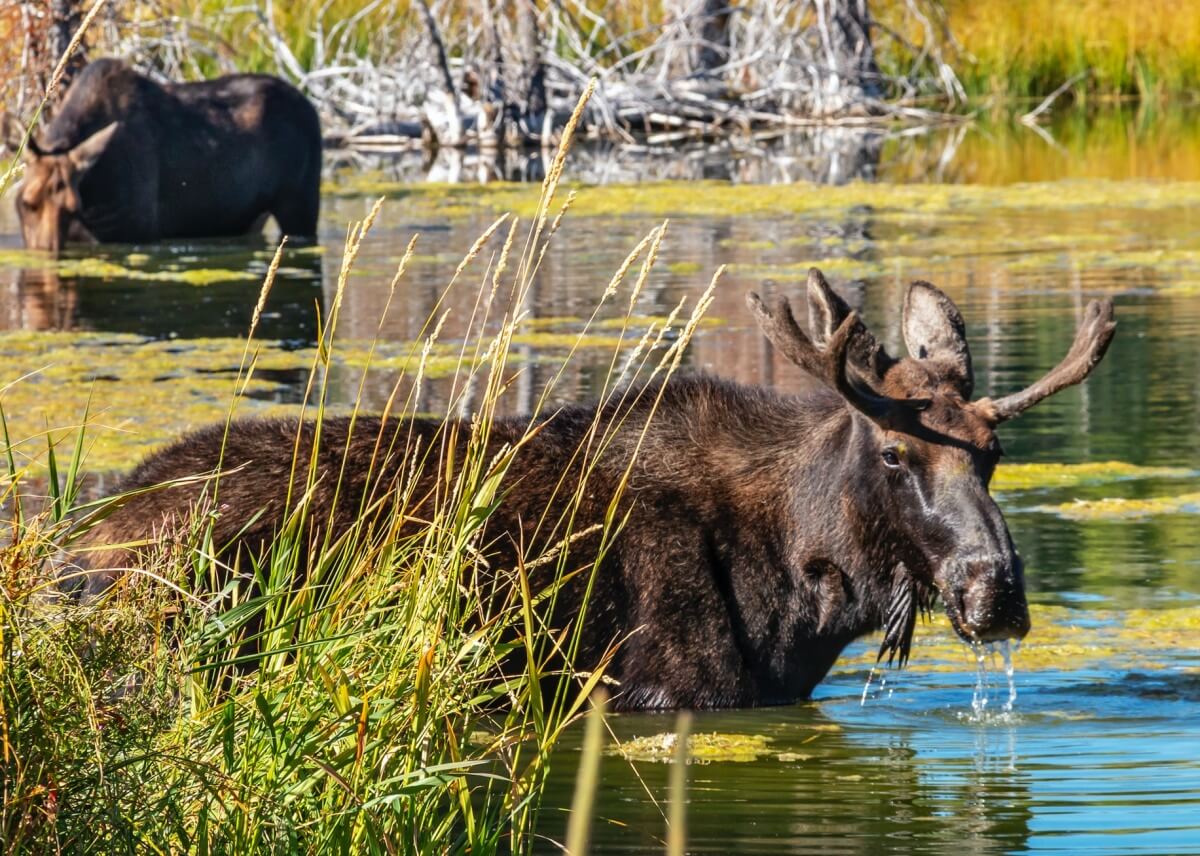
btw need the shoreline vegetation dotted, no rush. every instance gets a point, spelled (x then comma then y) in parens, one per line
(376, 717)
(494, 74)
(375, 720)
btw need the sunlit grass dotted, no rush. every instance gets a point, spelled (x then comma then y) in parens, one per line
(359, 707)
(1031, 47)
(1021, 48)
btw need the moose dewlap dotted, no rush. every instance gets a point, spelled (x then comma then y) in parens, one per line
(762, 532)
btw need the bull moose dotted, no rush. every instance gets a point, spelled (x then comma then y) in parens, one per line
(763, 532)
(126, 159)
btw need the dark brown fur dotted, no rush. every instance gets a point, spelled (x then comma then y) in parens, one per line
(126, 159)
(764, 531)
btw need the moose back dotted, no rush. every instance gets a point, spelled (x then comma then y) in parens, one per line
(128, 160)
(763, 532)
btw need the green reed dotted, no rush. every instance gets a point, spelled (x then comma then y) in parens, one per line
(357, 708)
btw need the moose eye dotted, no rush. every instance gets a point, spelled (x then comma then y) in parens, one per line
(891, 458)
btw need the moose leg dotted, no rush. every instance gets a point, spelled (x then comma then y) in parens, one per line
(297, 205)
(686, 653)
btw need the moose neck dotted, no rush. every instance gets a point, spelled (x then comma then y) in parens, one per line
(777, 481)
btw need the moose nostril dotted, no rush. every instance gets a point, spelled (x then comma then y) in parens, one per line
(993, 605)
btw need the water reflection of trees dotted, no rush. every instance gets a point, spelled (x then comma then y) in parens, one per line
(824, 155)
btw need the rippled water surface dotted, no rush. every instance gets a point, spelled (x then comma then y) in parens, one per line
(1102, 751)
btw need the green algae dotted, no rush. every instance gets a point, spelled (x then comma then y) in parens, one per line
(1122, 508)
(1066, 639)
(748, 243)
(559, 341)
(1026, 477)
(702, 748)
(100, 268)
(140, 393)
(644, 322)
(798, 271)
(719, 199)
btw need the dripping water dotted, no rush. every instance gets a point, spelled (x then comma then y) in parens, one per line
(884, 686)
(987, 684)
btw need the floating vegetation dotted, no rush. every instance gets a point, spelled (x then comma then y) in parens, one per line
(702, 748)
(720, 199)
(1024, 477)
(644, 322)
(748, 243)
(840, 267)
(552, 341)
(1120, 508)
(1064, 639)
(99, 268)
(141, 392)
(684, 267)
(144, 392)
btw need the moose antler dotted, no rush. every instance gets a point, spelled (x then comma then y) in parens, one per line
(827, 364)
(1091, 342)
(826, 311)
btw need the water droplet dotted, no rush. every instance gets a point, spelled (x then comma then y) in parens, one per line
(1006, 654)
(867, 687)
(980, 699)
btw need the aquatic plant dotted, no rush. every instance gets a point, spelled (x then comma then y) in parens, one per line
(721, 199)
(1125, 508)
(1023, 477)
(701, 748)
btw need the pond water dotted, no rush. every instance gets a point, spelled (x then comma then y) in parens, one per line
(1100, 751)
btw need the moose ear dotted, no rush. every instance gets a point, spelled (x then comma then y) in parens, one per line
(12, 132)
(934, 330)
(85, 155)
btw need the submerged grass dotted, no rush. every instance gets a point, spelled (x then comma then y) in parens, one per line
(128, 723)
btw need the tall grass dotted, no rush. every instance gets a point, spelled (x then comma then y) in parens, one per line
(375, 716)
(1008, 47)
(1149, 48)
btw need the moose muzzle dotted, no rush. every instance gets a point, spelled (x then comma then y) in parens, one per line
(985, 599)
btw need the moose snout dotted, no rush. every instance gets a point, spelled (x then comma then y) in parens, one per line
(991, 600)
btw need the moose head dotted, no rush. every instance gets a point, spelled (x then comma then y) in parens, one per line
(919, 453)
(48, 200)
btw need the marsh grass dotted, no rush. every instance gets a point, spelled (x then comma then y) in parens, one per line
(211, 703)
(1029, 47)
(1007, 48)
